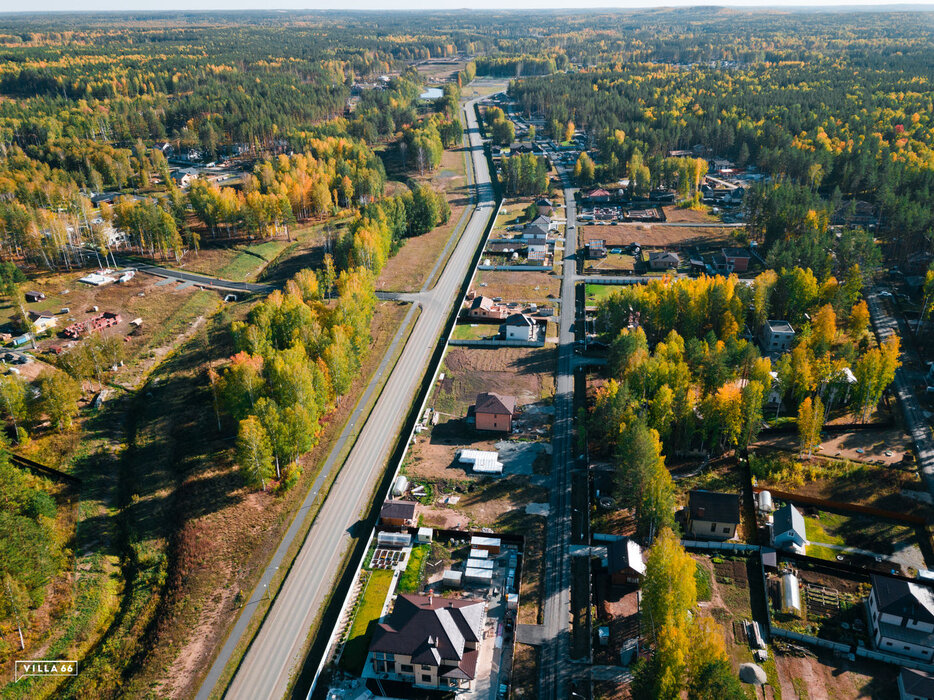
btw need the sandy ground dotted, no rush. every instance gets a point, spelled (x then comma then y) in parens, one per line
(656, 235)
(813, 678)
(859, 445)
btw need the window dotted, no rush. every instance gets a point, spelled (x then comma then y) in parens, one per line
(726, 531)
(713, 527)
(426, 678)
(907, 648)
(406, 668)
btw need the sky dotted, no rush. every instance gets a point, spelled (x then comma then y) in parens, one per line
(189, 5)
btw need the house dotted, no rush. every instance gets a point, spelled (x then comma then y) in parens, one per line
(624, 561)
(494, 412)
(43, 320)
(544, 203)
(776, 336)
(33, 297)
(484, 308)
(788, 530)
(915, 685)
(398, 513)
(901, 615)
(544, 222)
(712, 515)
(538, 251)
(520, 327)
(733, 260)
(595, 249)
(597, 195)
(534, 233)
(430, 642)
(184, 176)
(663, 260)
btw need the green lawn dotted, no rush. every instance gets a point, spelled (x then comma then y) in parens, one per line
(251, 260)
(369, 608)
(596, 292)
(412, 576)
(823, 529)
(703, 580)
(475, 331)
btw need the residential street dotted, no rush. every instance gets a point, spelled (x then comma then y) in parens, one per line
(557, 584)
(907, 377)
(278, 649)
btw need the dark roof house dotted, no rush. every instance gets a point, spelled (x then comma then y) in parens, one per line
(397, 511)
(710, 505)
(499, 404)
(903, 598)
(436, 632)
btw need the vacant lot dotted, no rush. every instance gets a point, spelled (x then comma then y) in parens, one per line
(520, 286)
(526, 373)
(658, 235)
(677, 215)
(409, 269)
(883, 446)
(615, 262)
(824, 676)
(831, 534)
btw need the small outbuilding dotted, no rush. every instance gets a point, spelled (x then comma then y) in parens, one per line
(788, 531)
(398, 513)
(624, 562)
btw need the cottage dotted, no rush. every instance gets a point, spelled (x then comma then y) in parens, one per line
(42, 320)
(483, 308)
(544, 222)
(184, 177)
(788, 530)
(624, 562)
(663, 260)
(776, 336)
(915, 685)
(398, 513)
(430, 642)
(902, 617)
(712, 515)
(494, 412)
(733, 260)
(520, 327)
(33, 297)
(595, 249)
(534, 233)
(597, 195)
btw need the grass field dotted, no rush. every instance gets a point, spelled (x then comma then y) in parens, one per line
(475, 331)
(411, 578)
(596, 292)
(368, 611)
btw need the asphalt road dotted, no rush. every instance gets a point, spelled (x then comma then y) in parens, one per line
(278, 648)
(907, 377)
(555, 663)
(202, 280)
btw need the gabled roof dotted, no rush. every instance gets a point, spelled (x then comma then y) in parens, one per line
(624, 554)
(917, 683)
(736, 253)
(776, 326)
(401, 510)
(599, 192)
(534, 231)
(788, 518)
(497, 404)
(434, 631)
(482, 302)
(541, 220)
(714, 507)
(664, 255)
(518, 320)
(903, 598)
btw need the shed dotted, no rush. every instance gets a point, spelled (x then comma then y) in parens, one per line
(512, 601)
(425, 535)
(32, 297)
(603, 634)
(479, 554)
(451, 578)
(490, 544)
(481, 564)
(398, 513)
(472, 575)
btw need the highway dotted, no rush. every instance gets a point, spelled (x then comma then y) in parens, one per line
(555, 661)
(278, 649)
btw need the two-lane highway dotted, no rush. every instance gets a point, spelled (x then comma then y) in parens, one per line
(278, 648)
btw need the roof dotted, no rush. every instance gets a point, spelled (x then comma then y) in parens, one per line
(483, 461)
(917, 683)
(903, 598)
(599, 192)
(736, 253)
(518, 320)
(776, 326)
(433, 631)
(482, 302)
(498, 404)
(713, 506)
(596, 243)
(664, 255)
(42, 314)
(398, 510)
(624, 554)
(534, 231)
(788, 518)
(541, 220)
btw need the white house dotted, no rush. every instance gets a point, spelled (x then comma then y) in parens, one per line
(776, 336)
(902, 617)
(43, 320)
(184, 176)
(534, 233)
(520, 327)
(788, 530)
